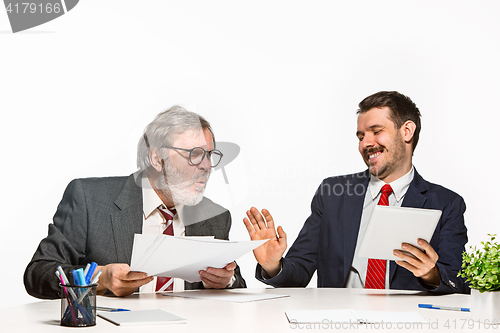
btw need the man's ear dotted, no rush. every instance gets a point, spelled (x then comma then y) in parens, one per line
(408, 130)
(155, 159)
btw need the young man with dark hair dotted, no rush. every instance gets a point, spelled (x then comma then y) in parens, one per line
(388, 128)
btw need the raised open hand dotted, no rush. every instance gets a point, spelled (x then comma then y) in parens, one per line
(261, 226)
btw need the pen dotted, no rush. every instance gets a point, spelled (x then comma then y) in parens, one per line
(81, 277)
(86, 269)
(76, 279)
(102, 308)
(440, 307)
(90, 272)
(96, 277)
(70, 307)
(63, 275)
(66, 281)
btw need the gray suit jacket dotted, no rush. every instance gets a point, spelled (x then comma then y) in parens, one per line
(96, 221)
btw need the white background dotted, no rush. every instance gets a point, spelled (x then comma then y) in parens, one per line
(282, 79)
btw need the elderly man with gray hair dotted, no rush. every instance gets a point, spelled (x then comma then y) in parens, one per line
(97, 217)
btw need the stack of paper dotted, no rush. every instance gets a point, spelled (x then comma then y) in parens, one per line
(186, 255)
(142, 317)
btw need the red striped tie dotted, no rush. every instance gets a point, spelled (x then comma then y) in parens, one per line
(166, 283)
(375, 273)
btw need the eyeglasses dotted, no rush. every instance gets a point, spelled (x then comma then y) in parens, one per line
(197, 154)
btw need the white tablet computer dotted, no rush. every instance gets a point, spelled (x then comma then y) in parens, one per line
(390, 226)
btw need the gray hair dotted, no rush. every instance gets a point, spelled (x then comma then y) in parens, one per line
(165, 128)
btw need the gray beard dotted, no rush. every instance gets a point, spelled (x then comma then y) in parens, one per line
(172, 184)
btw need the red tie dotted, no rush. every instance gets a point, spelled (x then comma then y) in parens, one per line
(375, 273)
(166, 283)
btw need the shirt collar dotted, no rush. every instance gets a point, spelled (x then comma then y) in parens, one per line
(150, 200)
(399, 186)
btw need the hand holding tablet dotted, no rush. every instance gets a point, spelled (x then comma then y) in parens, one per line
(389, 227)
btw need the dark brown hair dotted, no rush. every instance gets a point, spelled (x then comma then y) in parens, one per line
(401, 106)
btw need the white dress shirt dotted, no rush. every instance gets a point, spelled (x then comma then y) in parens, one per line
(357, 273)
(154, 223)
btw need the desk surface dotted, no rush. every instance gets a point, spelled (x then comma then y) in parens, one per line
(259, 316)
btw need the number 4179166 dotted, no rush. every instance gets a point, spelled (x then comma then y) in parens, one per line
(30, 7)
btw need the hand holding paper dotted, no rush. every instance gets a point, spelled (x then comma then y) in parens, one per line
(218, 278)
(187, 256)
(120, 280)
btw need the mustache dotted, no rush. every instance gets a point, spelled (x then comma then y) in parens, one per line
(371, 150)
(203, 176)
(166, 182)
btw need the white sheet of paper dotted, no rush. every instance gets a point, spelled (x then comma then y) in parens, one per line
(389, 227)
(352, 316)
(186, 255)
(229, 295)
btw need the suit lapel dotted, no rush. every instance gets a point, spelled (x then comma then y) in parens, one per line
(414, 197)
(352, 210)
(128, 218)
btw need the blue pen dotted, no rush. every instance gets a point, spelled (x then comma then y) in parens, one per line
(90, 273)
(102, 308)
(440, 307)
(81, 277)
(76, 279)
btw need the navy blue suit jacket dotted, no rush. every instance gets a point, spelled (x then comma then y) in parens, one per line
(328, 238)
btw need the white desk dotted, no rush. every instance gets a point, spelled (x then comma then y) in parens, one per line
(259, 316)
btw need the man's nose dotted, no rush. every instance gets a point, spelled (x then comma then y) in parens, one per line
(205, 164)
(367, 141)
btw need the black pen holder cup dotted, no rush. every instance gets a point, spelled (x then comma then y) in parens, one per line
(78, 305)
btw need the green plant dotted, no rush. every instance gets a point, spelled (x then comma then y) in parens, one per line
(482, 267)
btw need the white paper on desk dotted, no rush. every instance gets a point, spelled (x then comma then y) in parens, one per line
(142, 317)
(229, 295)
(184, 257)
(352, 316)
(389, 227)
